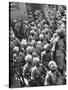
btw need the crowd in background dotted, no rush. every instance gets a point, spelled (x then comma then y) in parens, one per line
(38, 49)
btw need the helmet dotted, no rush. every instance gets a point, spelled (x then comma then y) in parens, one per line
(43, 31)
(16, 49)
(21, 54)
(41, 36)
(39, 25)
(62, 32)
(34, 54)
(23, 42)
(36, 60)
(28, 58)
(32, 32)
(25, 22)
(43, 21)
(39, 42)
(46, 30)
(60, 22)
(29, 49)
(26, 27)
(14, 55)
(32, 23)
(33, 42)
(35, 28)
(64, 18)
(45, 26)
(39, 45)
(52, 65)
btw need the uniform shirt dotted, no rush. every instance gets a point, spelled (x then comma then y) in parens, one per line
(46, 57)
(51, 78)
(37, 76)
(27, 71)
(38, 71)
(59, 54)
(60, 44)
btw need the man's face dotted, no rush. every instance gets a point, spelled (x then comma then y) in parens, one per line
(52, 67)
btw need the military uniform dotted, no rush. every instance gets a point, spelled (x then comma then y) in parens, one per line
(37, 75)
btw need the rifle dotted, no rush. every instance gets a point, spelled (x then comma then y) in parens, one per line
(22, 82)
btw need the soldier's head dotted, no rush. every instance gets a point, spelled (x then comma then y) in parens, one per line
(36, 61)
(52, 65)
(14, 57)
(45, 26)
(61, 32)
(16, 49)
(34, 54)
(33, 43)
(28, 58)
(21, 55)
(23, 43)
(32, 32)
(41, 37)
(29, 49)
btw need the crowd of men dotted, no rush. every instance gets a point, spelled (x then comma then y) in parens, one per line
(38, 49)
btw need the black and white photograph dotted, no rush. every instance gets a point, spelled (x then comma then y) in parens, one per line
(37, 44)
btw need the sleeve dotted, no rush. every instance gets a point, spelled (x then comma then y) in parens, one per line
(32, 74)
(24, 70)
(47, 79)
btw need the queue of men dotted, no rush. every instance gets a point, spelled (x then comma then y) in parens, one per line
(38, 50)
